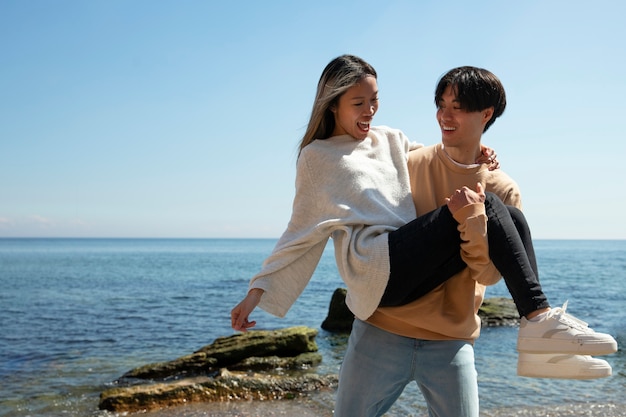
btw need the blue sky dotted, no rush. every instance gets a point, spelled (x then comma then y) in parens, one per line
(150, 118)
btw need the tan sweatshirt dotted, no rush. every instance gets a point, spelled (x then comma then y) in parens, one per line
(449, 311)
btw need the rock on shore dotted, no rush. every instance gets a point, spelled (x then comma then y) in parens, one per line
(253, 365)
(226, 386)
(224, 371)
(498, 311)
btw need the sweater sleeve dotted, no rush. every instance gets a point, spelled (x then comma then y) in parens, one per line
(474, 244)
(508, 191)
(288, 269)
(414, 146)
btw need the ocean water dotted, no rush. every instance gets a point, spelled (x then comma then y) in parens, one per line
(78, 313)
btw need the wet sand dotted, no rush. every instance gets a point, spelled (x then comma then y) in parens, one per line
(572, 410)
(321, 405)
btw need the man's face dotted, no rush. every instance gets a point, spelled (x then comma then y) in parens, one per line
(460, 128)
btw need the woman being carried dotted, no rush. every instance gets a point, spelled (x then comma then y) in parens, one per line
(352, 185)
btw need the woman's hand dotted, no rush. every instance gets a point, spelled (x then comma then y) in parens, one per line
(488, 156)
(239, 315)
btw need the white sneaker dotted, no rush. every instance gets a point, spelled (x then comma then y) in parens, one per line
(562, 366)
(560, 332)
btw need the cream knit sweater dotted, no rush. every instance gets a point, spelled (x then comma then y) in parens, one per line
(355, 191)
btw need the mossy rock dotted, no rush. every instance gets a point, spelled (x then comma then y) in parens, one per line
(498, 311)
(227, 351)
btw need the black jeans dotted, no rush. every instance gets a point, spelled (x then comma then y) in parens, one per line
(426, 252)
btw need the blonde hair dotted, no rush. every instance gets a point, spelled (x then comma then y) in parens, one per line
(339, 75)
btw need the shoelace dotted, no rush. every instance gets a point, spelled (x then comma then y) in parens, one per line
(561, 315)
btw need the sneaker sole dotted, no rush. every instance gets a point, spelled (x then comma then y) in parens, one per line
(543, 345)
(563, 371)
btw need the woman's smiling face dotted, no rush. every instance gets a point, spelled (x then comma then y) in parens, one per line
(356, 108)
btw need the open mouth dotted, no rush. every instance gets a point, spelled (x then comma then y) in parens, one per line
(363, 126)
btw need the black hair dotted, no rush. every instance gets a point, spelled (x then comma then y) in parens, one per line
(476, 89)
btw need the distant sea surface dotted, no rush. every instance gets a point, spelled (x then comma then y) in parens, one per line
(76, 314)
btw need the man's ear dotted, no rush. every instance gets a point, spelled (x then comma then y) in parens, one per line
(487, 114)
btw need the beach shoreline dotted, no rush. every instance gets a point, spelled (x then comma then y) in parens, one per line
(321, 405)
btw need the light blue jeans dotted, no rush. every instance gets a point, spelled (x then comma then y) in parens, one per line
(378, 365)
